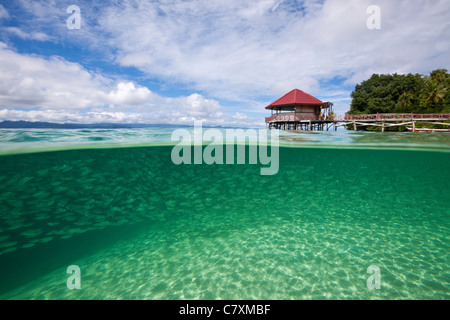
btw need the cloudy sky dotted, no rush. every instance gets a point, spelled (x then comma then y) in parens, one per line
(170, 61)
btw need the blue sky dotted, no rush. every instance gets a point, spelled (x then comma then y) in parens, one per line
(222, 61)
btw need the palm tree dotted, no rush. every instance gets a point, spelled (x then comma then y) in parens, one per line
(405, 100)
(433, 91)
(437, 85)
(439, 75)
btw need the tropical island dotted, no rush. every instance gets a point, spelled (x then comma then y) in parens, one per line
(396, 93)
(384, 102)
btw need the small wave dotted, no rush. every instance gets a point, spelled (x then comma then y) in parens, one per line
(97, 138)
(25, 138)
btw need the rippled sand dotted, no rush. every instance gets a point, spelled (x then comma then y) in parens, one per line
(225, 232)
(284, 258)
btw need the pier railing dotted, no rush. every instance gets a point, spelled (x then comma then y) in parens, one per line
(292, 116)
(394, 116)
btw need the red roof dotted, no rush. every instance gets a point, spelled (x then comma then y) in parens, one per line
(295, 97)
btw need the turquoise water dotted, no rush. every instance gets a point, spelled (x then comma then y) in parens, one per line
(140, 227)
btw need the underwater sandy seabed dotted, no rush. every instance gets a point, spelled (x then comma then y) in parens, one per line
(140, 227)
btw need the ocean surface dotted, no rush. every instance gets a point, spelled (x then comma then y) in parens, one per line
(113, 203)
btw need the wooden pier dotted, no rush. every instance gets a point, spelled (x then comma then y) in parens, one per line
(294, 121)
(298, 110)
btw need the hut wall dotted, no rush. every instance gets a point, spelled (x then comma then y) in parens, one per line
(305, 110)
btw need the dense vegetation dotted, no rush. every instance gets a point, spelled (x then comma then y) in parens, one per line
(411, 93)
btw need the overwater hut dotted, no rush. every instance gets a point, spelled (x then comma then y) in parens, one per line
(298, 110)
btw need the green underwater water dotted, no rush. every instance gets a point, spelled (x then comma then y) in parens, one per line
(141, 227)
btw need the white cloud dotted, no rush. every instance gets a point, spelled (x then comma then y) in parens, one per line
(240, 116)
(104, 116)
(57, 90)
(39, 36)
(3, 12)
(187, 109)
(196, 105)
(61, 116)
(257, 8)
(245, 51)
(241, 49)
(30, 81)
(128, 94)
(136, 59)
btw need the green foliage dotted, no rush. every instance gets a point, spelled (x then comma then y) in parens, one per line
(396, 93)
